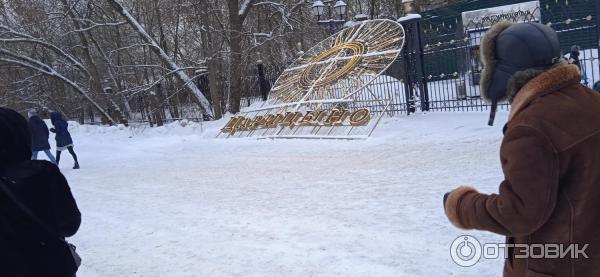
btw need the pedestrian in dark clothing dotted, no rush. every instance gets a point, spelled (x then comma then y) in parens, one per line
(63, 137)
(39, 136)
(574, 59)
(550, 156)
(574, 56)
(37, 209)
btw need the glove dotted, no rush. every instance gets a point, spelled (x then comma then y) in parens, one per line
(445, 199)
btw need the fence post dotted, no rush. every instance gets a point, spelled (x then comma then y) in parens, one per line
(414, 74)
(597, 15)
(262, 81)
(408, 82)
(420, 70)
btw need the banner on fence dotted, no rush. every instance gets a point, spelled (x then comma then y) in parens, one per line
(484, 18)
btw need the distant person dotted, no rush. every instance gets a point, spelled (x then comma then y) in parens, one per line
(63, 137)
(550, 156)
(574, 59)
(39, 136)
(574, 56)
(37, 209)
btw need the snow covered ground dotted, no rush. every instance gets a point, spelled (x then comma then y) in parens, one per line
(174, 201)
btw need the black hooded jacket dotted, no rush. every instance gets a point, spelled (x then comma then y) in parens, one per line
(39, 134)
(26, 248)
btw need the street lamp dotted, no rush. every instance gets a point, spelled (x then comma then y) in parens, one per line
(336, 13)
(408, 6)
(340, 8)
(318, 9)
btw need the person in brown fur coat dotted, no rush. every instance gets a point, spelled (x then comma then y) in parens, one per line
(550, 154)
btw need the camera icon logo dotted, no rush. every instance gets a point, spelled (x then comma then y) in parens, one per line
(465, 251)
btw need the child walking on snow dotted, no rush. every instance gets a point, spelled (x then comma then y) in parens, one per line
(63, 137)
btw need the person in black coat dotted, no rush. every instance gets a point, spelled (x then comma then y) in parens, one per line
(39, 136)
(574, 59)
(63, 137)
(32, 247)
(574, 56)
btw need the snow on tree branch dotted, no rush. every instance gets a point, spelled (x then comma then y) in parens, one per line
(95, 25)
(22, 37)
(280, 8)
(245, 7)
(180, 74)
(33, 64)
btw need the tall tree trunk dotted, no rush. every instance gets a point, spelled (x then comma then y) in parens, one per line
(116, 77)
(210, 50)
(235, 60)
(215, 91)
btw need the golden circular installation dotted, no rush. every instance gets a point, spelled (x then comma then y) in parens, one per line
(357, 48)
(342, 66)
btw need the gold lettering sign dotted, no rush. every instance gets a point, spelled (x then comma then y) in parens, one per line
(360, 117)
(334, 117)
(290, 119)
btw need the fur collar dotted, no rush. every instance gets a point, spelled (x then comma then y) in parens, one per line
(488, 57)
(547, 82)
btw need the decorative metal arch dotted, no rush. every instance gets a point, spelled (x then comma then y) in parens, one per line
(337, 74)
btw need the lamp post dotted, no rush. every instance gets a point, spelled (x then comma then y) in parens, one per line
(330, 13)
(408, 6)
(340, 9)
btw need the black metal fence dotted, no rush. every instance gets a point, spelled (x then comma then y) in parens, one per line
(451, 52)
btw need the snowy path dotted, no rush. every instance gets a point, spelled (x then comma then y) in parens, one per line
(186, 205)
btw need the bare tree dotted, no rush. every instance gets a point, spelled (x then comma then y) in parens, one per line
(137, 60)
(178, 71)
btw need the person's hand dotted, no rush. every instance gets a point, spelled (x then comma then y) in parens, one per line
(445, 199)
(453, 205)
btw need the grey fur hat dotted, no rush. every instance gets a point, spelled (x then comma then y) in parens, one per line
(513, 54)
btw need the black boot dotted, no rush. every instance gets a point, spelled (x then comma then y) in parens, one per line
(76, 166)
